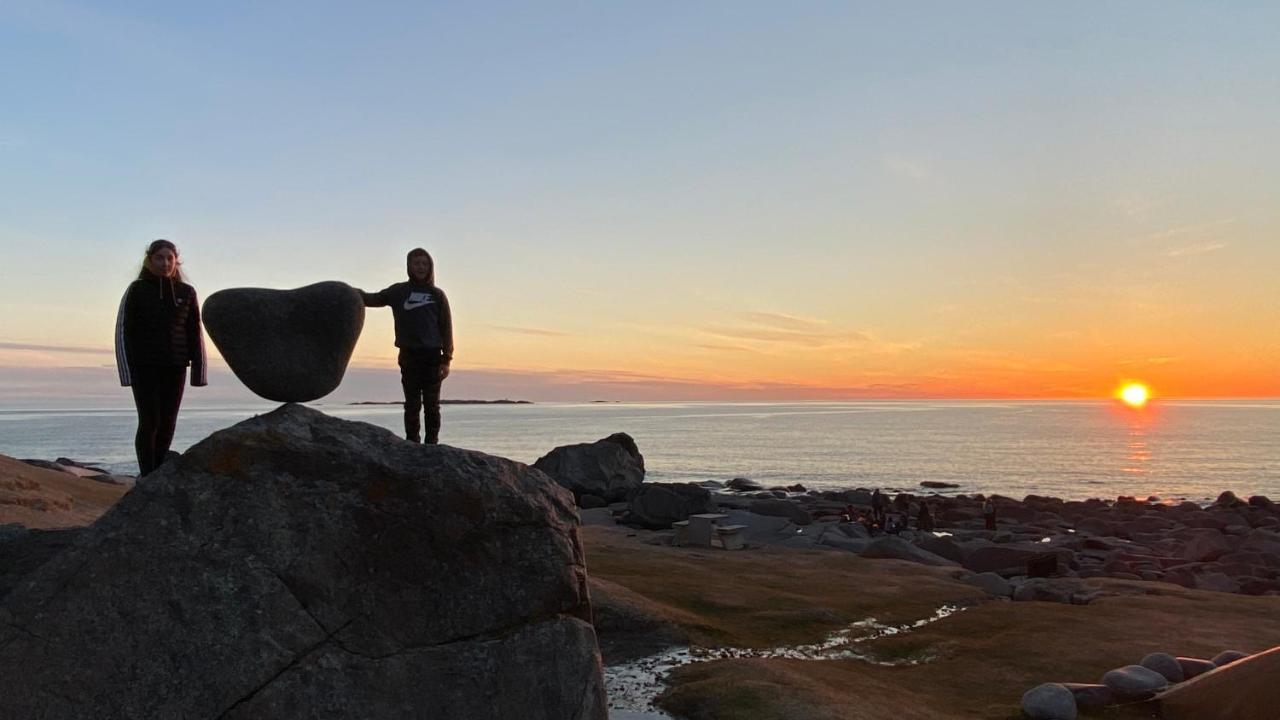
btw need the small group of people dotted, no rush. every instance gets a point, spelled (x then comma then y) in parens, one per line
(880, 520)
(159, 336)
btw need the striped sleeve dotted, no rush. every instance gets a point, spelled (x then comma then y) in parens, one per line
(122, 354)
(199, 360)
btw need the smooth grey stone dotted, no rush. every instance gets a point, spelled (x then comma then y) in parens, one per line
(1049, 701)
(1134, 682)
(1165, 664)
(1226, 657)
(287, 345)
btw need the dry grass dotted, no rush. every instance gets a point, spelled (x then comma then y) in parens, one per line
(40, 498)
(986, 657)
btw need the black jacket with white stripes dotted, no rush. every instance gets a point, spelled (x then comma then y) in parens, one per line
(159, 325)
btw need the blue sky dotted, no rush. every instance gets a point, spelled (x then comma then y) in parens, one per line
(831, 195)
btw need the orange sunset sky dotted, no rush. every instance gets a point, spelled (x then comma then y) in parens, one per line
(730, 201)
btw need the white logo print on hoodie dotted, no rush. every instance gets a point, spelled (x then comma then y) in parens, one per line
(417, 300)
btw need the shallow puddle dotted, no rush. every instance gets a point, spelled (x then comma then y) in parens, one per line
(633, 686)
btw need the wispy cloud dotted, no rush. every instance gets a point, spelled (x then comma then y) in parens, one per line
(786, 322)
(530, 331)
(55, 348)
(1200, 249)
(907, 168)
(794, 337)
(787, 330)
(1166, 360)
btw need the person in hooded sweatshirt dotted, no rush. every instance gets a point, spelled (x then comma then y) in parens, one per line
(424, 334)
(158, 335)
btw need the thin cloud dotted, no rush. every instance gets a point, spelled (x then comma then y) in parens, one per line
(530, 331)
(785, 322)
(1196, 249)
(55, 348)
(831, 339)
(1184, 230)
(905, 168)
(1166, 360)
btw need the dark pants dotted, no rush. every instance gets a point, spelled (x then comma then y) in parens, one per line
(157, 393)
(420, 378)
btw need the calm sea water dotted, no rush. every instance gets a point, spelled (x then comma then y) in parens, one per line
(1182, 449)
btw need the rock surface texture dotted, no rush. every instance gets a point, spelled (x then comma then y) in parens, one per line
(300, 566)
(610, 468)
(287, 345)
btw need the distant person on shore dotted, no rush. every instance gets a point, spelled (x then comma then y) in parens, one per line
(158, 335)
(924, 519)
(424, 334)
(989, 513)
(877, 507)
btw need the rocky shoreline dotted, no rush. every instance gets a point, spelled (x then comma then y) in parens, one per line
(1041, 548)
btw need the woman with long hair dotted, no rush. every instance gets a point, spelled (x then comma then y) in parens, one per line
(158, 335)
(424, 334)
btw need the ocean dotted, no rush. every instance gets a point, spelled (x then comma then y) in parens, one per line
(1186, 449)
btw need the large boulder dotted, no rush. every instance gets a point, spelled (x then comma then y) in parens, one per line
(781, 508)
(297, 565)
(610, 468)
(287, 345)
(657, 505)
(889, 547)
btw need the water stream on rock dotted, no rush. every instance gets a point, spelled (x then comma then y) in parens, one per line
(633, 686)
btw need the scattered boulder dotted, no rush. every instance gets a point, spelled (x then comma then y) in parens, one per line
(610, 468)
(937, 484)
(287, 345)
(588, 501)
(296, 562)
(1049, 701)
(1226, 657)
(1134, 682)
(1003, 559)
(744, 484)
(990, 583)
(890, 547)
(943, 546)
(657, 505)
(1165, 664)
(1206, 545)
(781, 508)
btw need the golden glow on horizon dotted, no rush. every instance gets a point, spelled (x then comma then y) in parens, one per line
(1135, 395)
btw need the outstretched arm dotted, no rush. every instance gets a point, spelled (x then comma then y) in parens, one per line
(376, 299)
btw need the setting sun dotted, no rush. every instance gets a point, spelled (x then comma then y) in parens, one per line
(1135, 394)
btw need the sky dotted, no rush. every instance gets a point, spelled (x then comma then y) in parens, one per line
(660, 200)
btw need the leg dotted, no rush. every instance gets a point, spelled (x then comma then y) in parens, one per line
(145, 399)
(431, 404)
(411, 382)
(171, 384)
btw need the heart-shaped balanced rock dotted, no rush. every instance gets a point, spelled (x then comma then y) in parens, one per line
(287, 345)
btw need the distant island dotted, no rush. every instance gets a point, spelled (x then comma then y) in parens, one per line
(448, 402)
